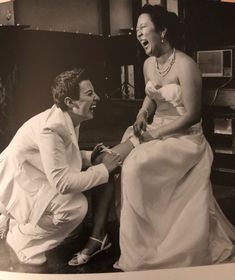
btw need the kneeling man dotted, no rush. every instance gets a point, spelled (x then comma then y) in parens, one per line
(41, 171)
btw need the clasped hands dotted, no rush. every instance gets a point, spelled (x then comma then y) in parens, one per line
(102, 154)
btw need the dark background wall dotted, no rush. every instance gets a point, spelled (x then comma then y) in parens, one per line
(207, 23)
(37, 55)
(61, 35)
(70, 16)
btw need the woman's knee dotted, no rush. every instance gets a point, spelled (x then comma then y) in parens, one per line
(128, 133)
(135, 161)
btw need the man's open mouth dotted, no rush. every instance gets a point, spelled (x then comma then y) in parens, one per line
(93, 107)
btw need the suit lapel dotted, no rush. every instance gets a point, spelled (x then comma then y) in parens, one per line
(73, 134)
(62, 121)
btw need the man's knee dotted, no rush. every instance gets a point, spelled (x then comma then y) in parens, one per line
(65, 210)
(76, 209)
(82, 206)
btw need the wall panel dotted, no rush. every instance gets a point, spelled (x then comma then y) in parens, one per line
(60, 15)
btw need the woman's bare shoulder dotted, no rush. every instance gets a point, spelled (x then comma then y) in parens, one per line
(186, 63)
(183, 58)
(148, 64)
(149, 61)
(188, 71)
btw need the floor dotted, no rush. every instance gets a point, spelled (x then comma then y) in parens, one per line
(58, 257)
(225, 196)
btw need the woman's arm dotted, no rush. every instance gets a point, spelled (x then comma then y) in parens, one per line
(190, 82)
(147, 108)
(148, 104)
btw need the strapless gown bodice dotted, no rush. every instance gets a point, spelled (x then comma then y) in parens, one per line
(168, 97)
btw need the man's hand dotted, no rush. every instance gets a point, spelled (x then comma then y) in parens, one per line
(111, 160)
(102, 154)
(96, 152)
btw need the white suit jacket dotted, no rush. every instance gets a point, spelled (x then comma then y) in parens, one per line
(44, 159)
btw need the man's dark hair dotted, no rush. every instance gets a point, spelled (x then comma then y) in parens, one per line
(66, 84)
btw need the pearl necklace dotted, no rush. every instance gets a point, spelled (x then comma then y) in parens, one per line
(164, 70)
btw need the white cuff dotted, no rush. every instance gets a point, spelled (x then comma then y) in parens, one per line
(103, 172)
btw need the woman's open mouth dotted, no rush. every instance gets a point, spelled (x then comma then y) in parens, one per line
(144, 43)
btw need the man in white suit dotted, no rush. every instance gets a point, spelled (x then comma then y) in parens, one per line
(41, 171)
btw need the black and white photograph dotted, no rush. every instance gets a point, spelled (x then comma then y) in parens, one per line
(117, 139)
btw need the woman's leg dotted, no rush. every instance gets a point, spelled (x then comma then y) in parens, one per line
(123, 149)
(102, 197)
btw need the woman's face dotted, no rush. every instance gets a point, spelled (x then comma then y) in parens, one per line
(147, 35)
(85, 106)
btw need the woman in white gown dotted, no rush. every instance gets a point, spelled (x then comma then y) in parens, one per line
(169, 217)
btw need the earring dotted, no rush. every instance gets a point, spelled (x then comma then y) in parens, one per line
(162, 39)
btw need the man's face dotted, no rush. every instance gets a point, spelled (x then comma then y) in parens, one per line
(85, 106)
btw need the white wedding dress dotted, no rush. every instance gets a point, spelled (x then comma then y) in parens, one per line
(169, 217)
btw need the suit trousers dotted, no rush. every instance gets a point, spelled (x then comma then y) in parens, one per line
(63, 214)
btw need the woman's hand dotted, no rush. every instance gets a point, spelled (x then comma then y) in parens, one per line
(145, 137)
(140, 125)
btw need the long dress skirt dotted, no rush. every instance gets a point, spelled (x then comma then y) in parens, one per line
(169, 217)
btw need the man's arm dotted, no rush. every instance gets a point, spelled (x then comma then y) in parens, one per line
(62, 176)
(86, 158)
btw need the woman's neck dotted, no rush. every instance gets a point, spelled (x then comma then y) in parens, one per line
(164, 54)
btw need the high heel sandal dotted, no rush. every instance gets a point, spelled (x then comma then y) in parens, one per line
(81, 258)
(4, 226)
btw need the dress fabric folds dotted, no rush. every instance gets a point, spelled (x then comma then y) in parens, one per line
(169, 217)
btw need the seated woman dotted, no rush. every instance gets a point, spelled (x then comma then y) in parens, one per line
(169, 217)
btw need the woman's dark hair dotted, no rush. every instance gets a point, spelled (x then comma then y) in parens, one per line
(66, 84)
(161, 19)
